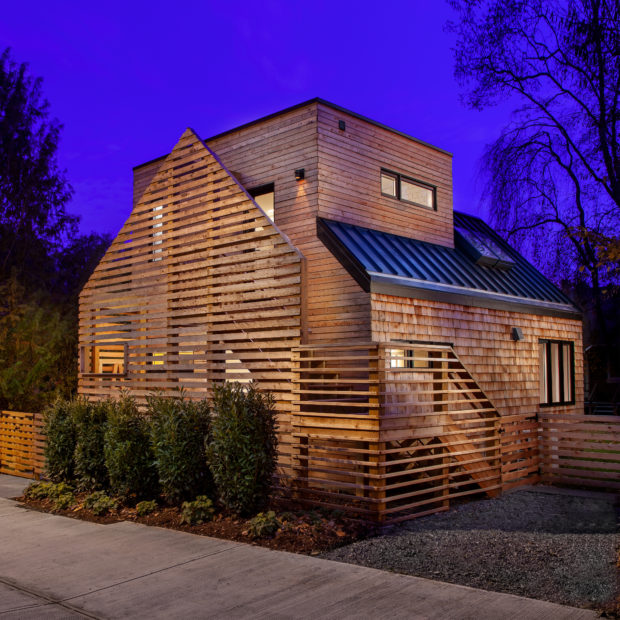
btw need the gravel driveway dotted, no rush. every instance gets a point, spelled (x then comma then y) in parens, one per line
(537, 542)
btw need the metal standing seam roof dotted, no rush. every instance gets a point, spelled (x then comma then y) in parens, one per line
(378, 260)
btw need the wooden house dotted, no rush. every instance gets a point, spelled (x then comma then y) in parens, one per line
(317, 252)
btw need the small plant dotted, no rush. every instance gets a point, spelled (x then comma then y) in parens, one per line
(90, 424)
(60, 441)
(146, 508)
(64, 501)
(198, 511)
(179, 429)
(264, 524)
(242, 448)
(127, 449)
(44, 490)
(100, 503)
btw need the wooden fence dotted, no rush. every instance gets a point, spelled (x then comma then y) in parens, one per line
(387, 432)
(580, 450)
(21, 444)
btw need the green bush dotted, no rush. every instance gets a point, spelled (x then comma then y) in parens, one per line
(179, 429)
(146, 508)
(100, 503)
(242, 449)
(60, 441)
(43, 490)
(64, 501)
(198, 511)
(264, 524)
(90, 422)
(127, 448)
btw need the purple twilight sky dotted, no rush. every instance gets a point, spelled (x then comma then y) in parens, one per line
(126, 79)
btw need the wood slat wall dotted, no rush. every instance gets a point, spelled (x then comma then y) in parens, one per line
(581, 450)
(507, 371)
(199, 285)
(21, 444)
(388, 442)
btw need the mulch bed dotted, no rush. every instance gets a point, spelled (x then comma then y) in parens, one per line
(307, 532)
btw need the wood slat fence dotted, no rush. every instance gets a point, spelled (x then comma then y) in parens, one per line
(21, 444)
(387, 434)
(581, 450)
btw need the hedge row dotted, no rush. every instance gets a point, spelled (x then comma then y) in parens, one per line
(177, 447)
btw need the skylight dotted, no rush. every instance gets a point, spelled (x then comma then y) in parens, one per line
(482, 249)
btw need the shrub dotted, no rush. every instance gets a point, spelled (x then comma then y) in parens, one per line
(127, 449)
(64, 501)
(146, 508)
(100, 503)
(60, 441)
(198, 511)
(179, 429)
(43, 490)
(242, 449)
(90, 421)
(264, 524)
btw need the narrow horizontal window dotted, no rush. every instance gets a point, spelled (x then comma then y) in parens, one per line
(104, 359)
(408, 190)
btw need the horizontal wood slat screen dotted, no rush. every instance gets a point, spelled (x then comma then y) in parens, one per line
(21, 444)
(392, 431)
(198, 287)
(581, 451)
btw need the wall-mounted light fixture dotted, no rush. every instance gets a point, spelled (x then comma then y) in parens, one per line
(342, 125)
(300, 174)
(516, 334)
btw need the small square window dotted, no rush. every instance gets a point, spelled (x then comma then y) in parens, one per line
(388, 184)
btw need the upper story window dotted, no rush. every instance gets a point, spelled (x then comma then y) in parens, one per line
(264, 198)
(557, 372)
(408, 190)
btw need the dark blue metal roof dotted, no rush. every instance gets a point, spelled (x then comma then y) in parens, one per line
(378, 260)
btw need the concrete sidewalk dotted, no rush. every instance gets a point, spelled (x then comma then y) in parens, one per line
(57, 567)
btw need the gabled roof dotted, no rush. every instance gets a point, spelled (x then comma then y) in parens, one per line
(386, 263)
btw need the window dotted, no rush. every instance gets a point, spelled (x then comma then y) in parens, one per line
(104, 359)
(557, 376)
(408, 190)
(157, 232)
(264, 198)
(407, 358)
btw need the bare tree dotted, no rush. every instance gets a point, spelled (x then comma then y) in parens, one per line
(552, 177)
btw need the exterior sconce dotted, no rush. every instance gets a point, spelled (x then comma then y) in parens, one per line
(342, 125)
(516, 334)
(300, 174)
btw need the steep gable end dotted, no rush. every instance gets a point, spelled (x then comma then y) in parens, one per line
(198, 286)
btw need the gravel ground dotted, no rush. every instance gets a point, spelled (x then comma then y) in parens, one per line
(537, 542)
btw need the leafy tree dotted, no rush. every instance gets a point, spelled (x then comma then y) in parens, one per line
(33, 190)
(43, 263)
(38, 343)
(552, 177)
